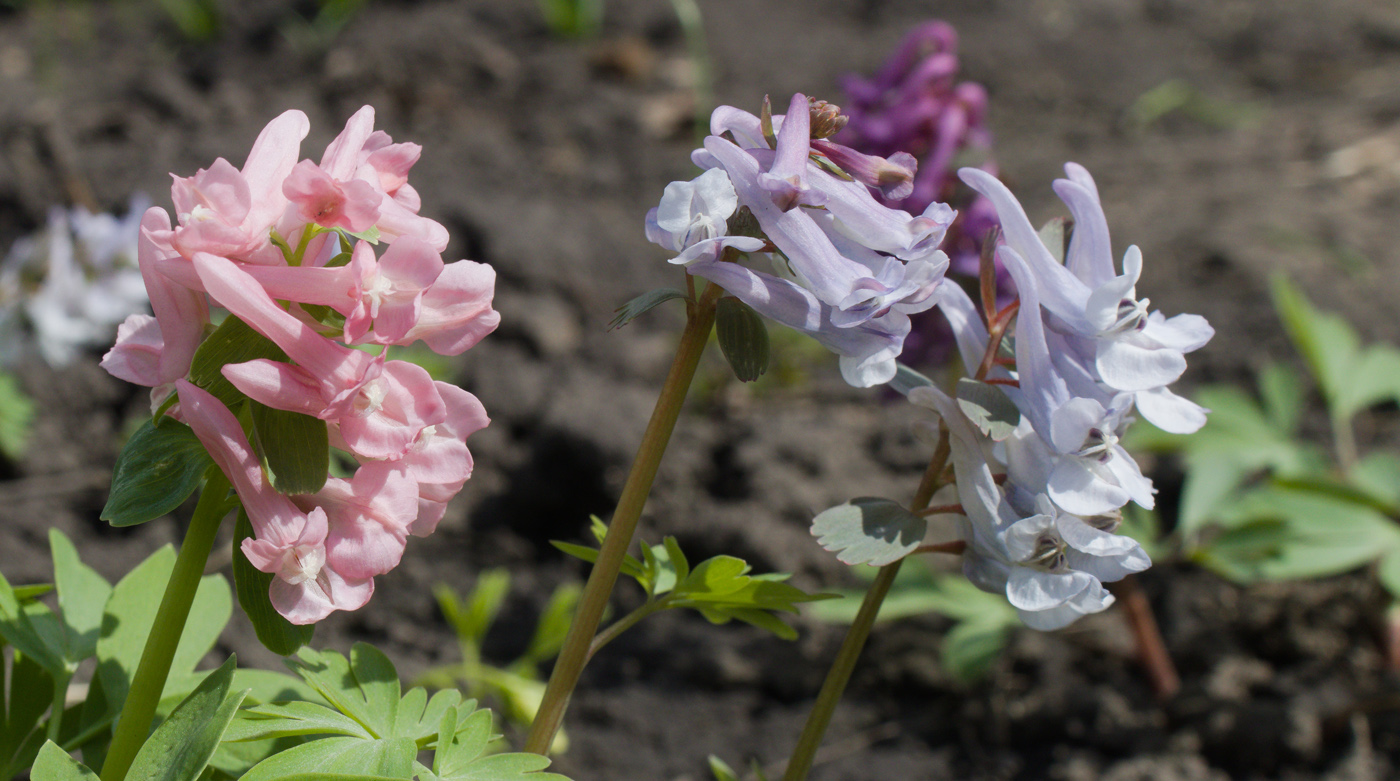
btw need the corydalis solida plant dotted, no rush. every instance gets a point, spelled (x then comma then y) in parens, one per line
(287, 248)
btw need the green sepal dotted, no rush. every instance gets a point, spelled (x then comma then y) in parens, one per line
(743, 338)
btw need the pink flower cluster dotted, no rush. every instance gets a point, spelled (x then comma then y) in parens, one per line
(268, 243)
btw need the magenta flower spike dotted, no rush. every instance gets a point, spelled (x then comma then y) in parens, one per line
(288, 542)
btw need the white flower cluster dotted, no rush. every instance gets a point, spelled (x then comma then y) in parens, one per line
(1042, 505)
(70, 285)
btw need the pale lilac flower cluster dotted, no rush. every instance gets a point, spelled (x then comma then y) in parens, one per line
(842, 267)
(1041, 506)
(70, 285)
(287, 247)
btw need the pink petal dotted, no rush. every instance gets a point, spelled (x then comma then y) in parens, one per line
(278, 385)
(342, 157)
(136, 355)
(457, 309)
(269, 162)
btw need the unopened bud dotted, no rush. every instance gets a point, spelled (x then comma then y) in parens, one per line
(827, 119)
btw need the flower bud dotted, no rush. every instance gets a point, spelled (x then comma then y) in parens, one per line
(827, 119)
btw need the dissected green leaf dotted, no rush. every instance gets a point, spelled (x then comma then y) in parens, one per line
(643, 303)
(157, 470)
(279, 720)
(743, 338)
(234, 341)
(276, 633)
(294, 448)
(869, 530)
(988, 408)
(462, 754)
(182, 745)
(338, 757)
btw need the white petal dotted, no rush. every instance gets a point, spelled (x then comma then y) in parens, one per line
(1126, 366)
(1032, 589)
(1094, 542)
(1020, 540)
(1183, 332)
(1170, 412)
(1080, 490)
(1071, 423)
(1129, 477)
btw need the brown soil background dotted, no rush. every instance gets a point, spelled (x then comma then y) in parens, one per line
(542, 155)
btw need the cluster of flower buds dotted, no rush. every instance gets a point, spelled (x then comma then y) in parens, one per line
(288, 248)
(845, 268)
(67, 287)
(1041, 503)
(915, 104)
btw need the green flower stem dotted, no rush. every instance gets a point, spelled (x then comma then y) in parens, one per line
(840, 673)
(573, 656)
(151, 674)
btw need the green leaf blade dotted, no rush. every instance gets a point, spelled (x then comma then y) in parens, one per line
(157, 470)
(869, 530)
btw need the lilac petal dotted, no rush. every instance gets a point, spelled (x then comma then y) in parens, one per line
(1184, 333)
(1080, 490)
(745, 127)
(879, 227)
(1071, 424)
(1061, 292)
(1109, 569)
(968, 329)
(1090, 256)
(786, 179)
(1127, 366)
(1093, 599)
(1129, 477)
(985, 572)
(1170, 412)
(1043, 390)
(1034, 590)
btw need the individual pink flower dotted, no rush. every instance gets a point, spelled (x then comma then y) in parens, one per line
(352, 205)
(369, 517)
(439, 460)
(287, 542)
(386, 163)
(228, 212)
(456, 311)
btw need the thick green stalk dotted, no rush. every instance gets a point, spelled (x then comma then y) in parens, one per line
(574, 654)
(151, 673)
(840, 673)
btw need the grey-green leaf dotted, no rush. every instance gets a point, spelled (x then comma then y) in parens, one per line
(294, 448)
(988, 408)
(641, 304)
(157, 470)
(869, 530)
(743, 338)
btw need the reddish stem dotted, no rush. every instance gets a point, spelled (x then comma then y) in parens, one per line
(955, 547)
(1003, 381)
(1152, 651)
